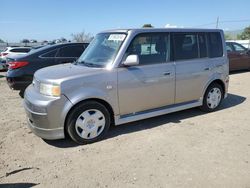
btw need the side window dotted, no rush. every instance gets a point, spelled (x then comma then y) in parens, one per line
(151, 48)
(20, 50)
(185, 46)
(215, 45)
(49, 54)
(229, 47)
(26, 50)
(202, 45)
(239, 48)
(71, 51)
(86, 45)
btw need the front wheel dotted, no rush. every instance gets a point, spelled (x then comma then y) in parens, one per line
(212, 98)
(88, 122)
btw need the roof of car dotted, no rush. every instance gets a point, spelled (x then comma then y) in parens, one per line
(164, 30)
(53, 47)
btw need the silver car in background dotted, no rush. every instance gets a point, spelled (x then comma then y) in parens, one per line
(128, 75)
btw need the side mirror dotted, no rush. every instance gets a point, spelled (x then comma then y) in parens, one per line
(131, 60)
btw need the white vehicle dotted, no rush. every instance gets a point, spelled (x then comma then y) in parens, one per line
(13, 51)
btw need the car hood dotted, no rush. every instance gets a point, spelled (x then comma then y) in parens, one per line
(59, 73)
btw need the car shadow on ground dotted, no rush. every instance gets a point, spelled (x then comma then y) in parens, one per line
(238, 72)
(231, 101)
(17, 185)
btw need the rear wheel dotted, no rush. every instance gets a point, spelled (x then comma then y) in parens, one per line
(212, 98)
(88, 122)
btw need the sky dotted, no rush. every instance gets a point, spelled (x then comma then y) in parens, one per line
(53, 19)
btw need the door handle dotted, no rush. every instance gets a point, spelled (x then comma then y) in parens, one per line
(166, 73)
(207, 69)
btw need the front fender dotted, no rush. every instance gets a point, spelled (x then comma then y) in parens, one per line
(85, 93)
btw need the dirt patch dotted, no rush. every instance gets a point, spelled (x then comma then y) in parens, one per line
(183, 149)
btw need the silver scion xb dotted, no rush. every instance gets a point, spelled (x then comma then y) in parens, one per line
(128, 75)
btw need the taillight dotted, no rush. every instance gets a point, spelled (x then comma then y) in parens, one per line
(17, 64)
(4, 54)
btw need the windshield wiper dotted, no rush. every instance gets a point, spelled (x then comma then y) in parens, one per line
(92, 65)
(75, 62)
(87, 64)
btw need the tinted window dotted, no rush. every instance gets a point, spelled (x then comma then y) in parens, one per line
(202, 45)
(215, 45)
(229, 47)
(50, 53)
(151, 48)
(71, 51)
(21, 50)
(185, 46)
(238, 48)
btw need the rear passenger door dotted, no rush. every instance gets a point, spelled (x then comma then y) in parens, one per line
(193, 68)
(240, 60)
(69, 53)
(151, 84)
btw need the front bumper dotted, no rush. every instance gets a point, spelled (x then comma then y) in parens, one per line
(46, 115)
(48, 134)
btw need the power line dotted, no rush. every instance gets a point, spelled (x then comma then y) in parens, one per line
(224, 21)
(217, 22)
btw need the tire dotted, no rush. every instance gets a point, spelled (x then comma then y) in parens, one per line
(212, 98)
(21, 93)
(88, 122)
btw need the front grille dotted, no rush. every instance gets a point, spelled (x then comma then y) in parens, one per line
(34, 108)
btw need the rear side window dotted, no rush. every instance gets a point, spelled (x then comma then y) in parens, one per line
(49, 54)
(21, 50)
(71, 51)
(215, 45)
(151, 48)
(229, 47)
(185, 46)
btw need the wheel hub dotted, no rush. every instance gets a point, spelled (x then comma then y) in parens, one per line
(214, 98)
(90, 123)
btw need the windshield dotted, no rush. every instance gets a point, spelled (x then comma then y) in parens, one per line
(102, 50)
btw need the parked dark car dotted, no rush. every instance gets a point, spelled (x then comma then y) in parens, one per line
(239, 56)
(22, 68)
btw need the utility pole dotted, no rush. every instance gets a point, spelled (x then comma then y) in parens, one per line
(217, 22)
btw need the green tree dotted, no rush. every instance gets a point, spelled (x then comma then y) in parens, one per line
(1, 41)
(147, 26)
(245, 34)
(82, 37)
(228, 37)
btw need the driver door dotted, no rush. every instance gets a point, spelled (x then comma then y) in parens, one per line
(151, 84)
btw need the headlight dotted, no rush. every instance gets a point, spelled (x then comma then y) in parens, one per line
(50, 90)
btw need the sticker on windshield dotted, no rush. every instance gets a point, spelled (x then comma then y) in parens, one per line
(117, 37)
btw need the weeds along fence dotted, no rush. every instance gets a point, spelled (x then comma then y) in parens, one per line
(4, 45)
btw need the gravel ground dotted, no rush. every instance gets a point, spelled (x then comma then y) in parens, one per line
(183, 149)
